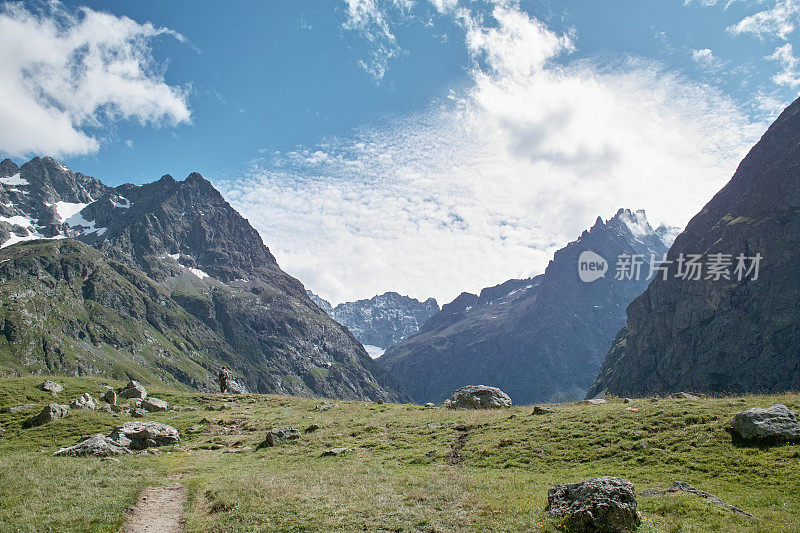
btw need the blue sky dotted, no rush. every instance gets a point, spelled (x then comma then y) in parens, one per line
(424, 146)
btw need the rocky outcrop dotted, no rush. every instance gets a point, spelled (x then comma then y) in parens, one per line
(52, 387)
(777, 423)
(277, 436)
(737, 333)
(541, 339)
(97, 446)
(603, 505)
(139, 435)
(153, 405)
(133, 389)
(84, 401)
(478, 397)
(51, 412)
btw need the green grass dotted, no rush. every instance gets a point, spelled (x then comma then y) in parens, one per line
(390, 482)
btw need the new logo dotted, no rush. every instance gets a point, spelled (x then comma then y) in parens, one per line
(591, 266)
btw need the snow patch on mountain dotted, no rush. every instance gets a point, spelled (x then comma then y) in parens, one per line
(13, 180)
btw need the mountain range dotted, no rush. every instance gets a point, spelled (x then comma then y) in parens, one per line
(163, 281)
(538, 339)
(381, 321)
(735, 332)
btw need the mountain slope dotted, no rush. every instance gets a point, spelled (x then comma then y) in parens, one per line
(540, 339)
(184, 241)
(383, 320)
(727, 336)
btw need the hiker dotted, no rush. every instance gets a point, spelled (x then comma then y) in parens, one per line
(223, 376)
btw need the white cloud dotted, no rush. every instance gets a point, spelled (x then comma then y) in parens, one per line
(369, 19)
(778, 21)
(64, 72)
(790, 75)
(485, 188)
(705, 57)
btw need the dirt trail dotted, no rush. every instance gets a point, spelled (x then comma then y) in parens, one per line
(159, 510)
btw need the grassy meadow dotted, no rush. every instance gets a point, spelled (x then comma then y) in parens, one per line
(410, 468)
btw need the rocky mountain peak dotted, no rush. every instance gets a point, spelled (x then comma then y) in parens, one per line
(8, 168)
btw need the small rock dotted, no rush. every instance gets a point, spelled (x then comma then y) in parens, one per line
(606, 504)
(336, 451)
(110, 459)
(539, 410)
(431, 454)
(641, 445)
(683, 396)
(479, 397)
(52, 387)
(98, 446)
(110, 397)
(107, 409)
(196, 428)
(325, 406)
(626, 400)
(139, 413)
(133, 390)
(433, 425)
(593, 401)
(278, 435)
(84, 401)
(48, 414)
(776, 423)
(2, 432)
(312, 428)
(632, 409)
(138, 435)
(430, 405)
(18, 408)
(154, 404)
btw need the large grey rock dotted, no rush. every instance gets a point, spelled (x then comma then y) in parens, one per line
(110, 397)
(98, 446)
(84, 401)
(134, 389)
(604, 505)
(278, 435)
(52, 387)
(479, 397)
(140, 434)
(775, 423)
(154, 404)
(48, 414)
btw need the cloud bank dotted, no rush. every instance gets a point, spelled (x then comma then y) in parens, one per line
(486, 187)
(67, 72)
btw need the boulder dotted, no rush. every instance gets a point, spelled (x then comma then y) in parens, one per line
(430, 405)
(593, 401)
(604, 505)
(18, 408)
(279, 435)
(138, 412)
(684, 396)
(140, 434)
(48, 414)
(539, 410)
(110, 397)
(134, 389)
(312, 428)
(52, 387)
(154, 404)
(84, 401)
(777, 423)
(336, 451)
(98, 446)
(478, 397)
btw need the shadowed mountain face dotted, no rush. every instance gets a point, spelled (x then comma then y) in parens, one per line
(173, 284)
(725, 336)
(381, 321)
(539, 339)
